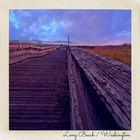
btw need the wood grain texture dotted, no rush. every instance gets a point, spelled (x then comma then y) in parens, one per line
(39, 96)
(112, 82)
(70, 90)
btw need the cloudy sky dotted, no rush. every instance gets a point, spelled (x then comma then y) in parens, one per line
(83, 26)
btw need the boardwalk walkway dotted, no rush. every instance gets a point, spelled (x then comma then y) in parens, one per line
(39, 93)
(70, 90)
(107, 89)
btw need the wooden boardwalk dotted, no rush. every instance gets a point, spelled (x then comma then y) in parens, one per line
(70, 90)
(39, 93)
(105, 100)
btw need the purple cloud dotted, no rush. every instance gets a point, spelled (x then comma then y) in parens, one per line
(83, 26)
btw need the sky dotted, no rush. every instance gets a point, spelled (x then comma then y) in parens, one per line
(93, 27)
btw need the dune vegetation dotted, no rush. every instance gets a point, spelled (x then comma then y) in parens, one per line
(119, 53)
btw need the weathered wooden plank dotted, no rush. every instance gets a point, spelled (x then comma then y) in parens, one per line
(33, 126)
(39, 98)
(119, 72)
(114, 92)
(85, 109)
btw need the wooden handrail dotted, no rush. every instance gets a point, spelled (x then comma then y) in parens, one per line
(110, 83)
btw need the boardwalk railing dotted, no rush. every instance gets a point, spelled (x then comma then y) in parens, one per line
(100, 91)
(20, 52)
